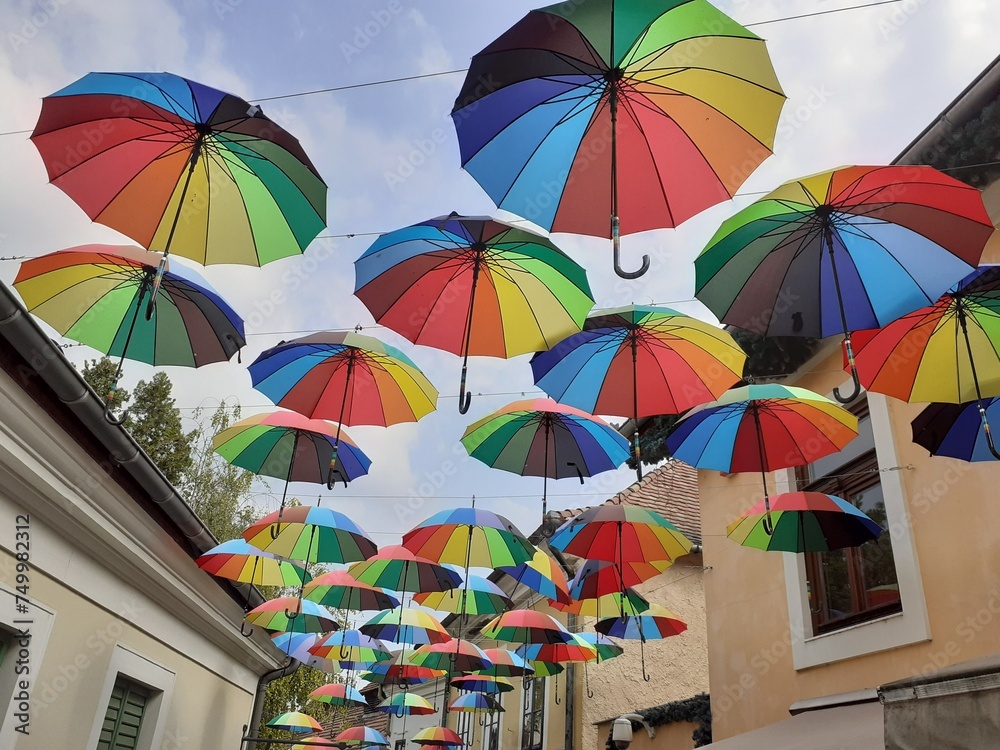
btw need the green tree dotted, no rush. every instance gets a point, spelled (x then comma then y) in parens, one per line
(220, 493)
(100, 373)
(291, 693)
(155, 423)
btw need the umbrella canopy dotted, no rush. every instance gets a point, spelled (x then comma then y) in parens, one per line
(481, 683)
(617, 602)
(640, 362)
(396, 567)
(437, 736)
(295, 721)
(804, 522)
(547, 668)
(183, 167)
(242, 562)
(841, 251)
(505, 663)
(470, 537)
(541, 574)
(526, 626)
(289, 446)
(541, 438)
(309, 743)
(599, 577)
(338, 694)
(605, 647)
(296, 645)
(400, 669)
(472, 285)
(349, 378)
(577, 650)
(292, 615)
(655, 622)
(476, 596)
(455, 656)
(338, 589)
(955, 429)
(311, 535)
(473, 702)
(405, 625)
(620, 533)
(351, 646)
(94, 294)
(406, 704)
(361, 736)
(586, 107)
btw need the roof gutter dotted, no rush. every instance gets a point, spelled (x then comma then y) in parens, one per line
(50, 364)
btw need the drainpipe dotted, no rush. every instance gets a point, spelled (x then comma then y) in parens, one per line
(250, 732)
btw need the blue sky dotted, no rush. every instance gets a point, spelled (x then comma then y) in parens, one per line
(861, 85)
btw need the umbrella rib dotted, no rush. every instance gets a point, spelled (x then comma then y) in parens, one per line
(460, 268)
(628, 106)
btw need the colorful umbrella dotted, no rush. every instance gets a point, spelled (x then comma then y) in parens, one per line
(296, 645)
(347, 377)
(698, 103)
(476, 596)
(473, 702)
(400, 669)
(405, 625)
(599, 577)
(311, 535)
(94, 293)
(605, 647)
(954, 429)
(620, 533)
(338, 589)
(361, 736)
(762, 428)
(539, 437)
(351, 646)
(289, 446)
(472, 285)
(438, 736)
(455, 656)
(290, 614)
(541, 574)
(295, 721)
(406, 704)
(947, 351)
(804, 522)
(845, 250)
(577, 650)
(546, 668)
(624, 600)
(338, 694)
(640, 362)
(309, 743)
(397, 568)
(505, 663)
(471, 537)
(481, 683)
(656, 622)
(181, 167)
(526, 626)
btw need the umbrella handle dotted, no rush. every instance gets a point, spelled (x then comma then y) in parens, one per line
(243, 632)
(586, 677)
(151, 305)
(988, 432)
(108, 416)
(578, 472)
(331, 478)
(556, 693)
(616, 241)
(854, 394)
(767, 524)
(642, 657)
(464, 399)
(343, 654)
(290, 615)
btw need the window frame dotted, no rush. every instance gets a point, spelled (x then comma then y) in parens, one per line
(42, 619)
(533, 687)
(911, 625)
(492, 722)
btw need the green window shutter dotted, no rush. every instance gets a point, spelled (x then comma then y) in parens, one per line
(123, 719)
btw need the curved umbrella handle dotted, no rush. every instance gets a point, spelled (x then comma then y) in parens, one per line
(108, 416)
(275, 529)
(464, 399)
(331, 479)
(988, 432)
(578, 472)
(586, 677)
(290, 615)
(556, 693)
(854, 394)
(343, 654)
(642, 656)
(245, 633)
(151, 305)
(631, 274)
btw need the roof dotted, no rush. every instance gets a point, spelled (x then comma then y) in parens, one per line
(357, 716)
(671, 490)
(858, 726)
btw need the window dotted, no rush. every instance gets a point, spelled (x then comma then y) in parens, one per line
(491, 729)
(466, 727)
(400, 745)
(534, 713)
(123, 718)
(856, 584)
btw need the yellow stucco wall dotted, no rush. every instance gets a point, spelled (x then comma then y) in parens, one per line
(954, 524)
(205, 711)
(666, 737)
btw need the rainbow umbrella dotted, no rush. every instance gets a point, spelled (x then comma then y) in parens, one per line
(762, 428)
(945, 352)
(668, 106)
(599, 577)
(506, 663)
(541, 574)
(351, 646)
(455, 656)
(400, 669)
(576, 650)
(546, 668)
(338, 694)
(624, 600)
(438, 736)
(291, 614)
(640, 362)
(94, 294)
(655, 623)
(526, 626)
(620, 533)
(181, 167)
(338, 589)
(397, 568)
(955, 430)
(311, 535)
(473, 285)
(841, 251)
(295, 721)
(473, 702)
(605, 647)
(539, 437)
(476, 596)
(471, 537)
(296, 645)
(308, 743)
(481, 683)
(804, 522)
(361, 736)
(289, 446)
(405, 625)
(406, 704)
